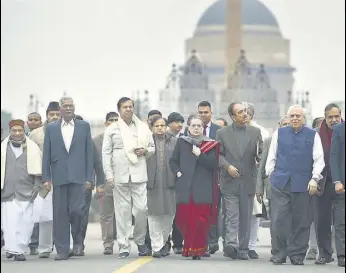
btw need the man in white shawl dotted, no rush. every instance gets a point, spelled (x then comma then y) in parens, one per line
(257, 209)
(126, 146)
(21, 168)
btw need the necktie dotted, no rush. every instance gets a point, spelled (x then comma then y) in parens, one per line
(205, 130)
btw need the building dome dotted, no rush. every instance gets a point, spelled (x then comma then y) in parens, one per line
(253, 13)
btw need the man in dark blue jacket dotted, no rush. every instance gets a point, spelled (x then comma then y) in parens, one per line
(337, 167)
(68, 166)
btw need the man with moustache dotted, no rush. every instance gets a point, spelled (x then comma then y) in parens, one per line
(294, 166)
(45, 228)
(126, 146)
(337, 164)
(104, 191)
(263, 183)
(327, 196)
(21, 167)
(240, 148)
(68, 166)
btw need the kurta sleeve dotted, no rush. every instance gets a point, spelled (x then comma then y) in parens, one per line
(318, 157)
(261, 175)
(100, 176)
(271, 160)
(89, 156)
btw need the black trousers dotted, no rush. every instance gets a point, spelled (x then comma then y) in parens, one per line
(68, 206)
(324, 216)
(214, 234)
(85, 218)
(34, 240)
(176, 236)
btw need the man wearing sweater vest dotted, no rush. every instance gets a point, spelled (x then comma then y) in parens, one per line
(294, 165)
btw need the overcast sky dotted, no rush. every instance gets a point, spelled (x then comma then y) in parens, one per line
(99, 50)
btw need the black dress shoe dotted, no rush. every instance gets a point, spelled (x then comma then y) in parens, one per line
(61, 257)
(341, 261)
(324, 260)
(108, 251)
(157, 255)
(297, 261)
(143, 251)
(123, 255)
(78, 250)
(166, 251)
(278, 261)
(9, 255)
(230, 252)
(71, 253)
(213, 249)
(196, 258)
(243, 256)
(178, 250)
(19, 258)
(253, 255)
(207, 254)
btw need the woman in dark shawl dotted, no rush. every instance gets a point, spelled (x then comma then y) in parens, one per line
(194, 162)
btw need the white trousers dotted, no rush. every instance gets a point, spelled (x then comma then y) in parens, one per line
(17, 221)
(130, 198)
(255, 224)
(45, 237)
(160, 227)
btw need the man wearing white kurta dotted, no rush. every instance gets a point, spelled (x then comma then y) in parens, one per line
(21, 171)
(126, 146)
(255, 221)
(45, 204)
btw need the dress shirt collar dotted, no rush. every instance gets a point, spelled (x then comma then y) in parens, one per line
(64, 123)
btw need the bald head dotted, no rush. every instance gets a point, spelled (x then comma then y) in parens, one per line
(297, 116)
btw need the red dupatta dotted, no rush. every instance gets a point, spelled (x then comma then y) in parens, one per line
(205, 147)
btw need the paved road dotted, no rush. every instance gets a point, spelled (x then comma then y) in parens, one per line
(95, 262)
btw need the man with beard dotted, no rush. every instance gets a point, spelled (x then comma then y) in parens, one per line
(327, 196)
(337, 164)
(104, 191)
(45, 228)
(21, 167)
(294, 166)
(68, 165)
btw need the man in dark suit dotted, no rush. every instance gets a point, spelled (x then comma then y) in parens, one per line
(337, 165)
(68, 166)
(324, 200)
(240, 148)
(209, 130)
(104, 191)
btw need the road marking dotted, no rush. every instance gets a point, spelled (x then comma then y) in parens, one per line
(134, 266)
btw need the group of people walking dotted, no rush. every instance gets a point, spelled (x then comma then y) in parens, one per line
(188, 185)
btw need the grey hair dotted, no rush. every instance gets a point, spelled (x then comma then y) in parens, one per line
(296, 106)
(283, 118)
(63, 99)
(250, 108)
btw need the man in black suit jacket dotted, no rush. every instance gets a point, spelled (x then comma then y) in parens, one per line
(337, 166)
(68, 165)
(209, 130)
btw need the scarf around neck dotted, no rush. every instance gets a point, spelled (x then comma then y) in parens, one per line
(195, 140)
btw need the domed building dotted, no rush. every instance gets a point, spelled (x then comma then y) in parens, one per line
(262, 41)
